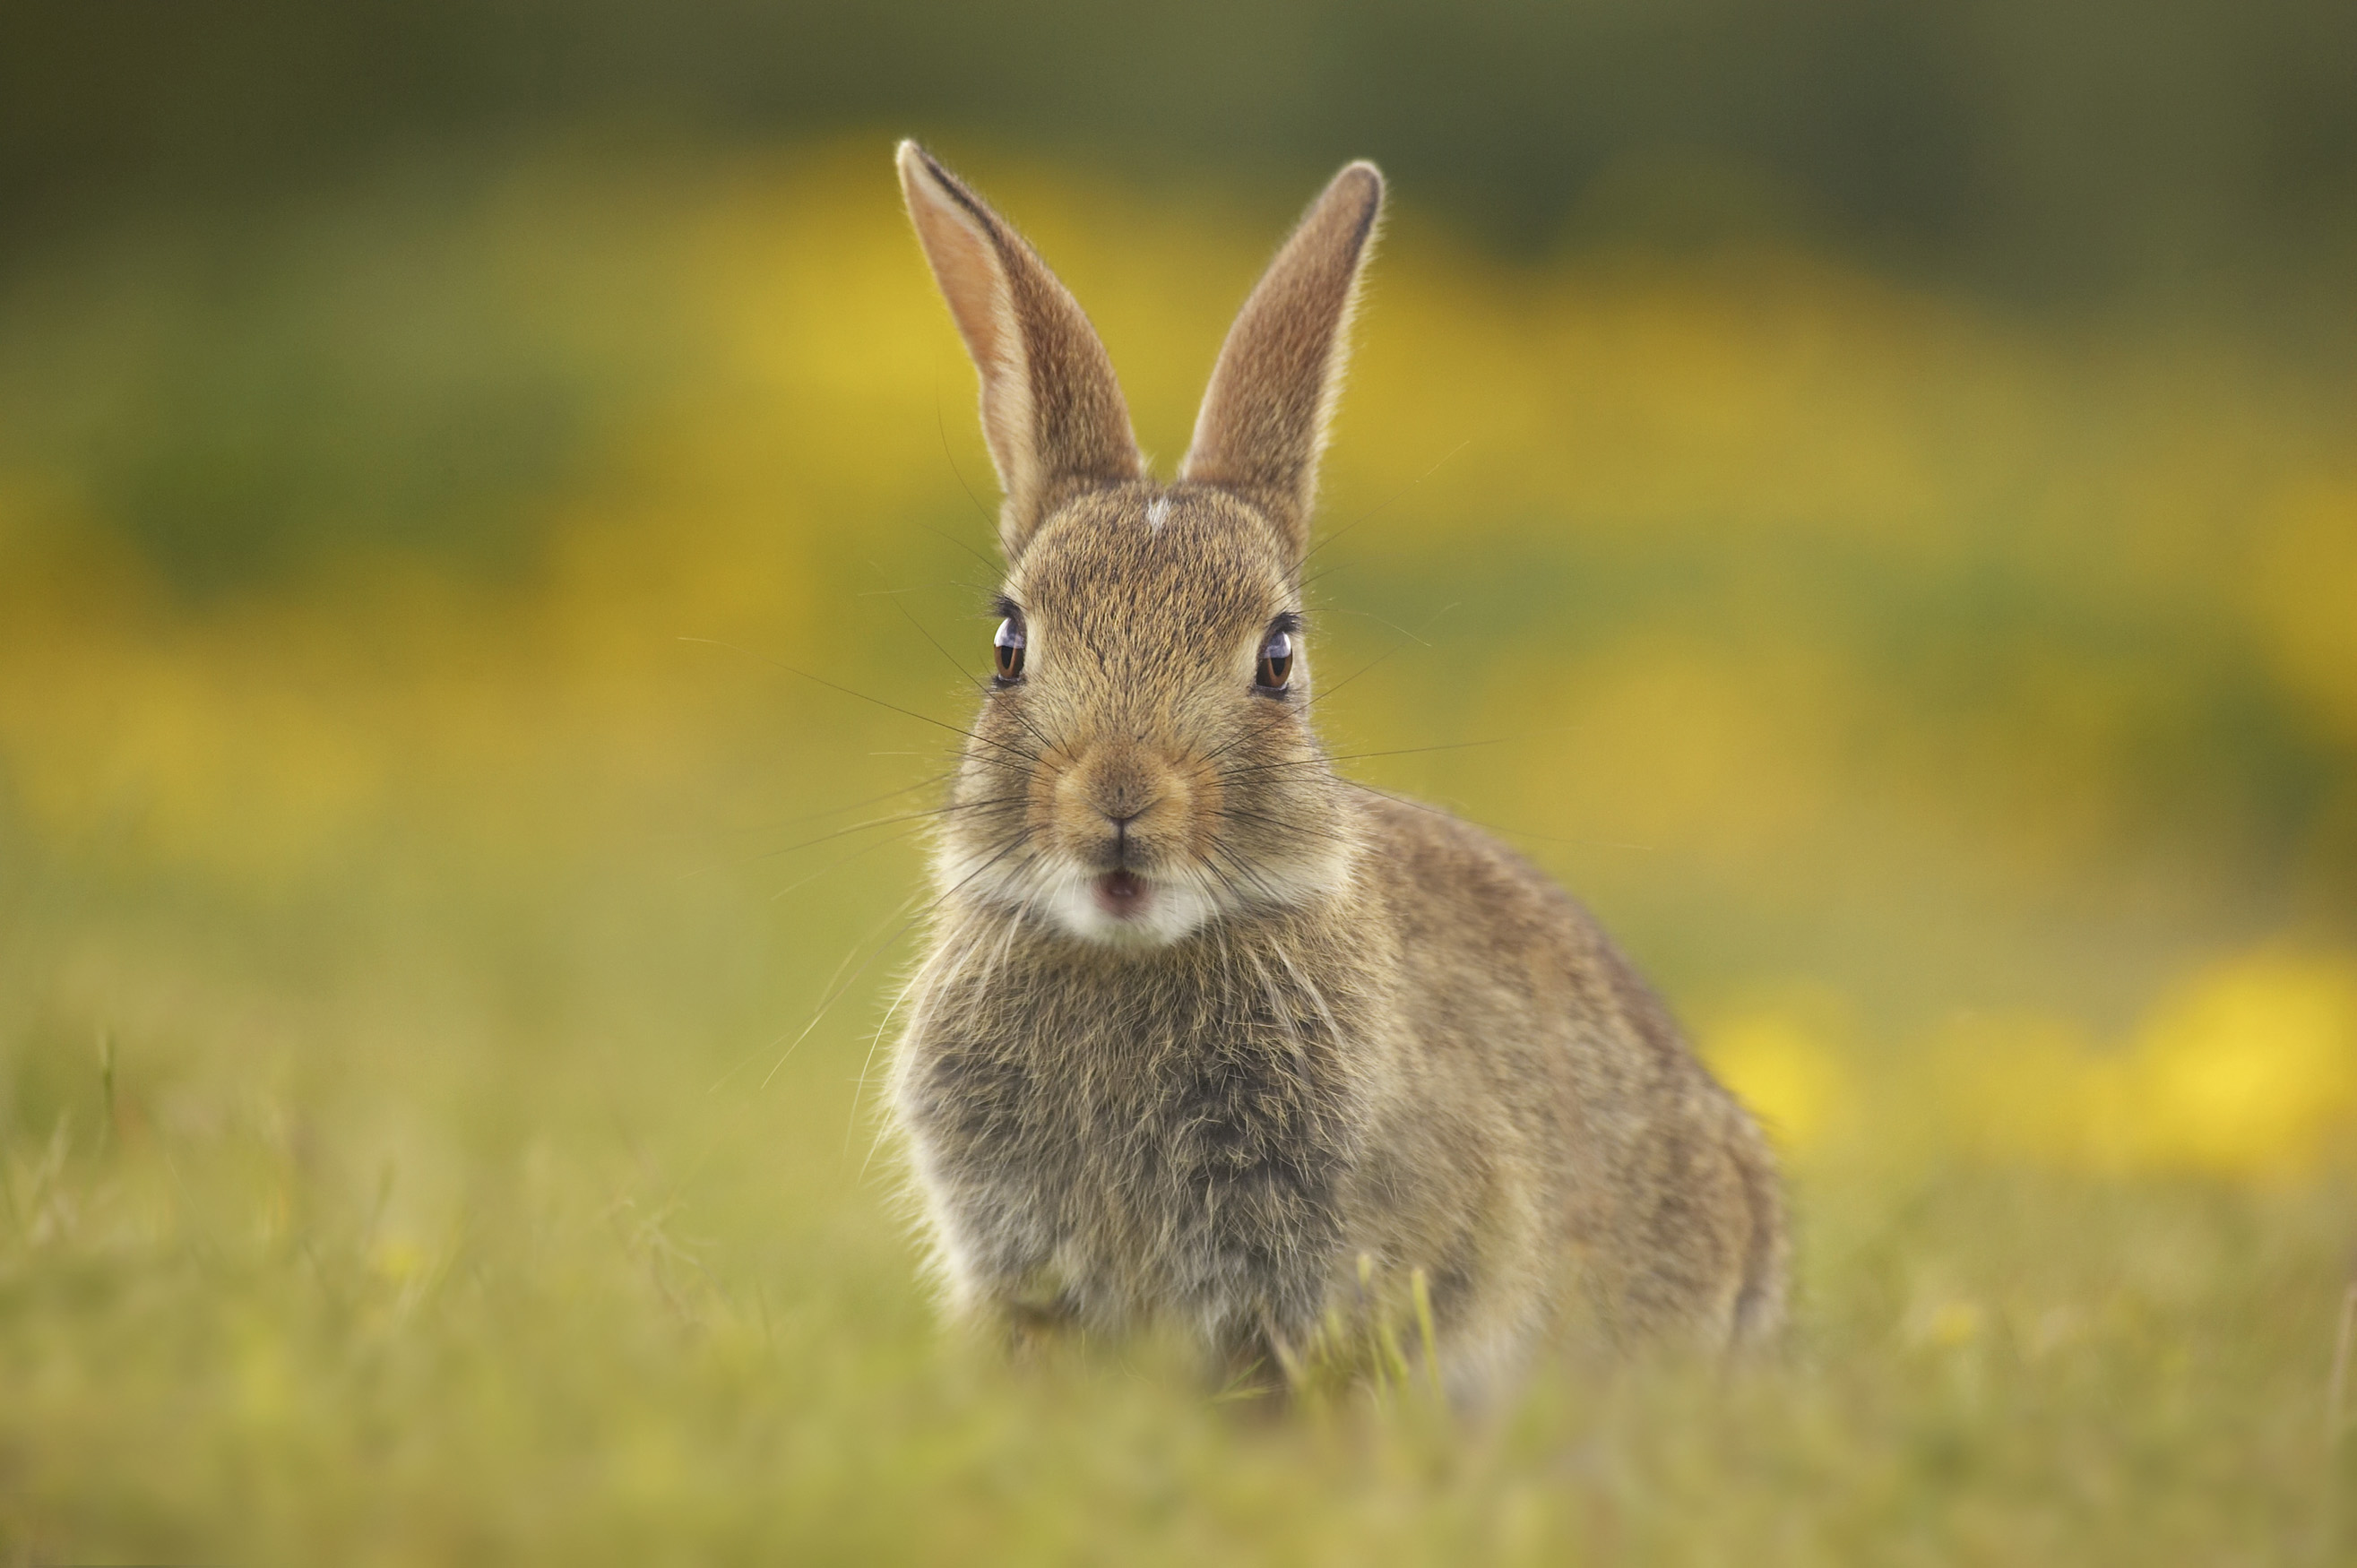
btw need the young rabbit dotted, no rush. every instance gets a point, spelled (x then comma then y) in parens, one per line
(1206, 1036)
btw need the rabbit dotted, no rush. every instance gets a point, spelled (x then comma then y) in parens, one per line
(1206, 1037)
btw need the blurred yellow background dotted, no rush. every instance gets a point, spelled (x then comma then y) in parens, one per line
(443, 940)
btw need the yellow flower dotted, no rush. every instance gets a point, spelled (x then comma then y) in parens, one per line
(1788, 1078)
(2251, 1067)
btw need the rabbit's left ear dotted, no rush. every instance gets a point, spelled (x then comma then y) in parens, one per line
(1264, 420)
(1051, 411)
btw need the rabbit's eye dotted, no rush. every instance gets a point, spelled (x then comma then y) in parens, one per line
(1007, 648)
(1275, 660)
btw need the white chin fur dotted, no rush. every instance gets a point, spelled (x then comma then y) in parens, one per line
(1173, 909)
(1176, 908)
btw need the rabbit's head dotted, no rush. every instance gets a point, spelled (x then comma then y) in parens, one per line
(1143, 763)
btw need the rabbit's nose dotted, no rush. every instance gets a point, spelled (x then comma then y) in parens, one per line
(1121, 820)
(1120, 806)
(1123, 790)
(1125, 846)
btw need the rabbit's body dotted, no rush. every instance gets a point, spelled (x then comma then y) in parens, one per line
(1206, 1035)
(1219, 1130)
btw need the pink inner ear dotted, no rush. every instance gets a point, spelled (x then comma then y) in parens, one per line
(1263, 423)
(973, 279)
(1051, 411)
(968, 272)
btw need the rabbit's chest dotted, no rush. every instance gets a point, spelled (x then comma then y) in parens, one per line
(1150, 1154)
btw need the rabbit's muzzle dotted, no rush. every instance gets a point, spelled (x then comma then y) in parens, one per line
(1125, 807)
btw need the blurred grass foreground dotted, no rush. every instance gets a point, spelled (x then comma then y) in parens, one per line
(442, 955)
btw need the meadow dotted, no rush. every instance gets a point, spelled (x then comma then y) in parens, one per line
(449, 901)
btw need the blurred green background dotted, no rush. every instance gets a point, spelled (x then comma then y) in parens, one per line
(1866, 494)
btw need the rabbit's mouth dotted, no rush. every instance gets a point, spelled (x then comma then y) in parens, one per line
(1123, 894)
(1121, 906)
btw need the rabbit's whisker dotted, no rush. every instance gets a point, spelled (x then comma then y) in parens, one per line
(1371, 512)
(894, 707)
(867, 1062)
(826, 1007)
(1239, 866)
(1276, 822)
(887, 821)
(973, 680)
(894, 913)
(1385, 621)
(1321, 575)
(1385, 657)
(1316, 997)
(942, 424)
(864, 850)
(1493, 827)
(835, 811)
(1272, 718)
(1399, 751)
(875, 1039)
(1279, 1014)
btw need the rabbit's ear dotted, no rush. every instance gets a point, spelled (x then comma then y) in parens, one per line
(1264, 420)
(1051, 411)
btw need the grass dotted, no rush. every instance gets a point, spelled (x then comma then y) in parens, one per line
(319, 1298)
(436, 1030)
(434, 1256)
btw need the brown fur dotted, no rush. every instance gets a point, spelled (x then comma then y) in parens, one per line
(1353, 1036)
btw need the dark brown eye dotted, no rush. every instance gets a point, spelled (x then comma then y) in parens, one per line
(1275, 660)
(1007, 648)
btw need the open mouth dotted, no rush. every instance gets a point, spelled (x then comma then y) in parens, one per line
(1123, 894)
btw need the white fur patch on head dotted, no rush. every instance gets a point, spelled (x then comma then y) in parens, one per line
(1158, 512)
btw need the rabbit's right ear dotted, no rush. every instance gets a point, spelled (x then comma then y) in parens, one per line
(1051, 412)
(1263, 425)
